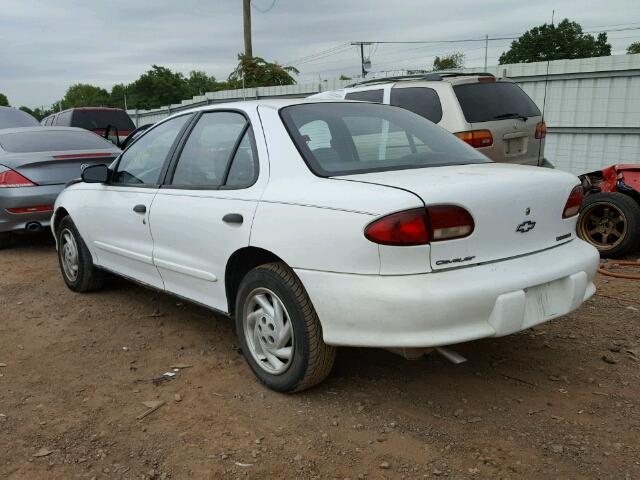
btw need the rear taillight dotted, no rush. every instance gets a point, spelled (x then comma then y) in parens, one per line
(12, 179)
(476, 138)
(403, 228)
(448, 222)
(486, 79)
(541, 130)
(34, 209)
(421, 226)
(572, 207)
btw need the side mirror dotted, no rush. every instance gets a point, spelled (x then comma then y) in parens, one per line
(96, 174)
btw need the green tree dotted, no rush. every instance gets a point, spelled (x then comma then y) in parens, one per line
(156, 88)
(199, 83)
(633, 48)
(4, 101)
(556, 42)
(449, 62)
(257, 72)
(116, 97)
(344, 77)
(85, 95)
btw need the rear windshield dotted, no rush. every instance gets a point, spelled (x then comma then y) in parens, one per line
(51, 141)
(487, 102)
(14, 118)
(101, 119)
(350, 138)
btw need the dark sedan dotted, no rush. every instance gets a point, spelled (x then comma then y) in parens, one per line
(35, 164)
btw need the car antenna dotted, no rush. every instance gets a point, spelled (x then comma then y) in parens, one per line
(544, 100)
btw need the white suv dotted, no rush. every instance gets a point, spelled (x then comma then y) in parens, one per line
(491, 114)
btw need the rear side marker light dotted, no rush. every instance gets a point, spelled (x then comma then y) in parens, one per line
(34, 209)
(12, 179)
(476, 138)
(541, 130)
(572, 207)
(420, 226)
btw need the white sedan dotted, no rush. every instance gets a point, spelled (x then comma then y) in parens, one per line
(321, 224)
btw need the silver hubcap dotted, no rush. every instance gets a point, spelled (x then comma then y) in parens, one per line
(69, 255)
(268, 331)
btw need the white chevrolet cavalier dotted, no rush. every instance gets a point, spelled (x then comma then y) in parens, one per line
(324, 224)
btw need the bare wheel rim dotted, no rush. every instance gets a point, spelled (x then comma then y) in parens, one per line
(69, 255)
(268, 331)
(603, 225)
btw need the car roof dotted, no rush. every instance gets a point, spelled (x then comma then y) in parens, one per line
(274, 103)
(11, 114)
(429, 78)
(109, 109)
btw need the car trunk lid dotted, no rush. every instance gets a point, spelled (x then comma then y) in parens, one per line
(516, 209)
(52, 168)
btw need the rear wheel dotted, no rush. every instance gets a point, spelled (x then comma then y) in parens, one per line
(611, 223)
(75, 260)
(5, 239)
(279, 330)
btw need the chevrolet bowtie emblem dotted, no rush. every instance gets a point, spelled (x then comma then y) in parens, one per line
(525, 227)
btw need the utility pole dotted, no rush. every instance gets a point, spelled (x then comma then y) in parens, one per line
(362, 62)
(246, 15)
(486, 50)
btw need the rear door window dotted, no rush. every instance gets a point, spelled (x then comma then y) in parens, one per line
(421, 100)
(207, 152)
(493, 101)
(375, 96)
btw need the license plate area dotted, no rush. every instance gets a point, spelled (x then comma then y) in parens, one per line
(545, 301)
(515, 146)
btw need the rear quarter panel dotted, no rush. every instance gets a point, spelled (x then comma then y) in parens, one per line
(318, 223)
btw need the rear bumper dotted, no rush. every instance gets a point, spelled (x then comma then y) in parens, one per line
(448, 307)
(26, 197)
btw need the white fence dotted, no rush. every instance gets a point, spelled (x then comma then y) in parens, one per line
(592, 106)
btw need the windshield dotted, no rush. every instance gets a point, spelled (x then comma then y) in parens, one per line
(51, 141)
(486, 102)
(349, 138)
(99, 119)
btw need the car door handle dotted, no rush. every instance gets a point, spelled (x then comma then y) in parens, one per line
(232, 218)
(140, 209)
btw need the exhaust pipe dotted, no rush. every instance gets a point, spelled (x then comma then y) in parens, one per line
(33, 227)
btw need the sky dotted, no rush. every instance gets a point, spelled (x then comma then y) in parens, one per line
(48, 45)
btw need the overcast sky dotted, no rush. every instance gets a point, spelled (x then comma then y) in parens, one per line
(48, 45)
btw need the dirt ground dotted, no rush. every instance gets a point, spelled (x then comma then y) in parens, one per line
(75, 369)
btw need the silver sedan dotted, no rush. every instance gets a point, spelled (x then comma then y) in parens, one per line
(35, 164)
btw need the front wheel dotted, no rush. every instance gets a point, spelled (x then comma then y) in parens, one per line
(279, 330)
(610, 221)
(75, 260)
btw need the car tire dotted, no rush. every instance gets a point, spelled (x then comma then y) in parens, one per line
(610, 221)
(76, 265)
(310, 360)
(5, 240)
